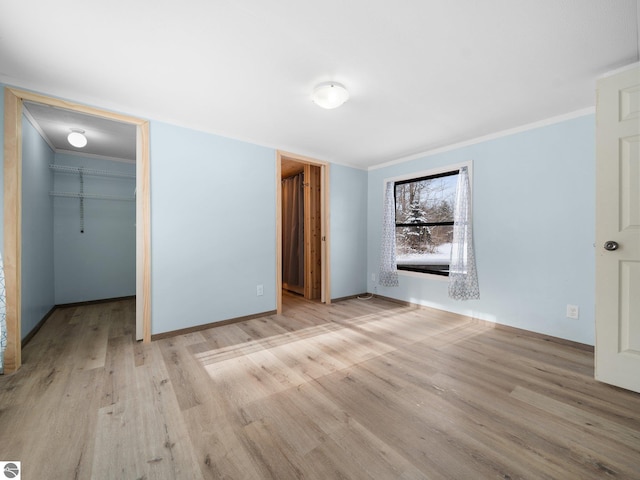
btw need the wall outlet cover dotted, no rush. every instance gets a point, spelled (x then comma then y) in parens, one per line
(573, 311)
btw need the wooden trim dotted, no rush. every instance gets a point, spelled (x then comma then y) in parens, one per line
(312, 232)
(143, 233)
(300, 158)
(315, 230)
(325, 232)
(500, 326)
(35, 329)
(542, 336)
(359, 296)
(206, 326)
(307, 234)
(404, 303)
(94, 302)
(76, 107)
(12, 226)
(325, 295)
(13, 214)
(278, 233)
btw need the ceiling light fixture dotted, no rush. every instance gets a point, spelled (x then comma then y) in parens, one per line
(77, 138)
(329, 95)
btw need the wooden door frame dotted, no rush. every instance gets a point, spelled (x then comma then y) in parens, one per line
(325, 266)
(312, 206)
(13, 214)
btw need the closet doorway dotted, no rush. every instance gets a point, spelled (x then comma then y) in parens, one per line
(13, 222)
(302, 240)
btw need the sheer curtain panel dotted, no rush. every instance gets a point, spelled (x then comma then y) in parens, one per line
(463, 278)
(388, 276)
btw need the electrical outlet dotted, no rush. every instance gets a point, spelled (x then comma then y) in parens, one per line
(573, 311)
(373, 277)
(259, 290)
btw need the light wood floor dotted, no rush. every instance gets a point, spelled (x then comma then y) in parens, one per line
(356, 390)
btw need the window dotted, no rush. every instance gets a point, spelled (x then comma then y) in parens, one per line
(424, 209)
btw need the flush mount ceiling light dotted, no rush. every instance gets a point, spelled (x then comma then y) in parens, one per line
(77, 138)
(329, 95)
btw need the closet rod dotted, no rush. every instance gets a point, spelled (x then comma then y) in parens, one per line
(90, 171)
(95, 196)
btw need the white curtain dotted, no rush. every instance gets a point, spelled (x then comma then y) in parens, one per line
(463, 278)
(3, 317)
(388, 276)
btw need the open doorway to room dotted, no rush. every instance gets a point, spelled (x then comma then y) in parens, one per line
(13, 198)
(301, 232)
(302, 245)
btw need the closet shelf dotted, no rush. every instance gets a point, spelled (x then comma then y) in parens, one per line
(90, 171)
(95, 196)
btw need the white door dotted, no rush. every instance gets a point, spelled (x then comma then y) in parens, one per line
(618, 230)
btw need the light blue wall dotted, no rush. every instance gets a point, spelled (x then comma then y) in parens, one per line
(37, 229)
(534, 204)
(101, 262)
(348, 195)
(212, 228)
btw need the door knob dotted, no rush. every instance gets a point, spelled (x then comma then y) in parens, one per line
(611, 245)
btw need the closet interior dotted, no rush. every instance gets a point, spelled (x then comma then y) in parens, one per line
(78, 211)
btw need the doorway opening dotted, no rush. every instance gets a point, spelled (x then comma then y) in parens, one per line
(301, 232)
(14, 100)
(302, 228)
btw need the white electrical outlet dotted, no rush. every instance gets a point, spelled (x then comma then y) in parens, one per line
(373, 277)
(573, 311)
(259, 290)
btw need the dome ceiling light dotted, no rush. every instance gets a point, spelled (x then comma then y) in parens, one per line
(329, 95)
(77, 138)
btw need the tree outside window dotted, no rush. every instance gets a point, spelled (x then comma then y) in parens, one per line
(424, 222)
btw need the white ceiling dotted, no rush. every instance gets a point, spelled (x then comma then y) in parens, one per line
(105, 138)
(422, 73)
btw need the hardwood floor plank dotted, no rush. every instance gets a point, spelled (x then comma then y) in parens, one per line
(119, 382)
(92, 346)
(557, 445)
(616, 432)
(362, 450)
(298, 431)
(361, 389)
(327, 460)
(123, 316)
(142, 435)
(489, 417)
(582, 390)
(182, 371)
(421, 442)
(216, 438)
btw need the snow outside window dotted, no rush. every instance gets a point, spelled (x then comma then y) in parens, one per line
(424, 209)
